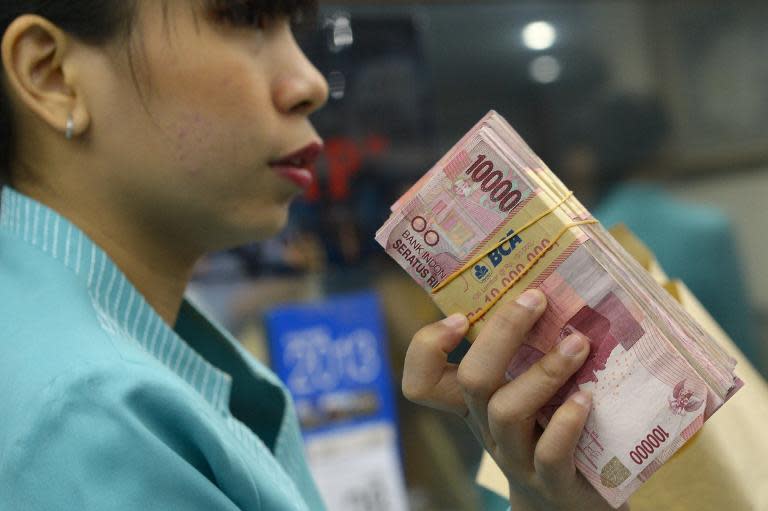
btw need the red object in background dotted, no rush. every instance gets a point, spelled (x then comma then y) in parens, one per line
(345, 157)
(344, 161)
(376, 145)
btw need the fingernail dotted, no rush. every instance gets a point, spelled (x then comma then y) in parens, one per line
(582, 398)
(573, 345)
(531, 299)
(456, 321)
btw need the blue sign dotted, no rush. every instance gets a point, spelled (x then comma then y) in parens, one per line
(332, 356)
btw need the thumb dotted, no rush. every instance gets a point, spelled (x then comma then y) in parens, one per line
(428, 377)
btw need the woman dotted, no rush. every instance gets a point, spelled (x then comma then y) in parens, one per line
(137, 136)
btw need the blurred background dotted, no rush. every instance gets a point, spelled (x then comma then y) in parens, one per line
(654, 113)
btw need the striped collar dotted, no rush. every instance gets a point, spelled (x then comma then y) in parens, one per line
(121, 309)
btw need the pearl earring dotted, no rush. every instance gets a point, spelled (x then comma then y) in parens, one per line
(70, 129)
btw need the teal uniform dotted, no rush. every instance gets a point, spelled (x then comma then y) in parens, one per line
(106, 407)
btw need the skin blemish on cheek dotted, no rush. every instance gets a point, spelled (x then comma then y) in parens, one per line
(225, 82)
(193, 142)
(187, 128)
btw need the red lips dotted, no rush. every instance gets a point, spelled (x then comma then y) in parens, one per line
(298, 167)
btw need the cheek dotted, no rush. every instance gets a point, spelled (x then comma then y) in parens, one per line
(194, 136)
(219, 122)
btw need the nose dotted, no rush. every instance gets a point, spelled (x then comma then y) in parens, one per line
(301, 88)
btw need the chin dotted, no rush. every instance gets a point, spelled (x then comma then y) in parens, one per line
(268, 225)
(249, 226)
(245, 237)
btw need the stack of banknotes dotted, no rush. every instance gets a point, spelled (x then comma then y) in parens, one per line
(491, 220)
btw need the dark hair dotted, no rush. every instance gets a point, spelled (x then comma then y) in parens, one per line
(100, 21)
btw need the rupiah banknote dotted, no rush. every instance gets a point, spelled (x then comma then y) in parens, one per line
(491, 220)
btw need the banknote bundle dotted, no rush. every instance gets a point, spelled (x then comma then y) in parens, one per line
(489, 221)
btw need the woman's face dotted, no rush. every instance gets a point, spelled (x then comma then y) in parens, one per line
(191, 124)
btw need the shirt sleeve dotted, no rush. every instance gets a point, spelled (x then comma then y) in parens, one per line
(113, 440)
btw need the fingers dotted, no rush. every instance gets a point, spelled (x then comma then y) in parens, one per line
(428, 378)
(513, 408)
(481, 372)
(553, 457)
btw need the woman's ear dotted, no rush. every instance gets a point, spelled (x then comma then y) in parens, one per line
(40, 74)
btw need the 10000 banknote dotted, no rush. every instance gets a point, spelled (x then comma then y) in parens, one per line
(438, 234)
(647, 397)
(449, 219)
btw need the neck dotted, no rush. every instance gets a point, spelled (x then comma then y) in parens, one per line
(157, 266)
(159, 273)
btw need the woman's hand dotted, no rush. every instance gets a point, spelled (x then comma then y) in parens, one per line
(539, 465)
